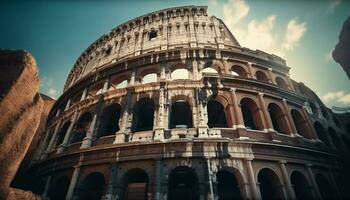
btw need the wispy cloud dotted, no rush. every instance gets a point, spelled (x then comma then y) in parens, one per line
(338, 97)
(262, 33)
(295, 30)
(333, 4)
(47, 87)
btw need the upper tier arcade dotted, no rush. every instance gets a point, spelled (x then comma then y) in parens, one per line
(173, 28)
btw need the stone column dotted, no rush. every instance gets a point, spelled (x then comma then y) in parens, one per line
(251, 177)
(44, 196)
(87, 141)
(159, 178)
(237, 113)
(314, 186)
(73, 183)
(202, 126)
(67, 105)
(290, 83)
(266, 116)
(250, 71)
(105, 85)
(83, 96)
(286, 181)
(112, 185)
(291, 127)
(210, 182)
(62, 146)
(124, 131)
(53, 137)
(159, 130)
(272, 80)
(226, 67)
(311, 129)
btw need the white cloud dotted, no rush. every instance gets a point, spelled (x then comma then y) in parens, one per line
(234, 11)
(332, 6)
(48, 87)
(261, 33)
(295, 31)
(337, 97)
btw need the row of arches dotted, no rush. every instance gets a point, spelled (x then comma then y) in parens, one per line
(183, 183)
(181, 115)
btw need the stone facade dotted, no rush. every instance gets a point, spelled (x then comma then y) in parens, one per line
(170, 106)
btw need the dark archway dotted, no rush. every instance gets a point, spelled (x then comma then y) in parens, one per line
(181, 115)
(183, 184)
(143, 115)
(59, 189)
(62, 133)
(92, 187)
(81, 127)
(321, 133)
(136, 185)
(270, 186)
(239, 71)
(216, 114)
(326, 189)
(278, 118)
(300, 124)
(261, 76)
(110, 120)
(281, 82)
(302, 188)
(228, 186)
(251, 114)
(324, 113)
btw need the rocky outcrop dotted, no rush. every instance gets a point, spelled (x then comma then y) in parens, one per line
(341, 53)
(20, 107)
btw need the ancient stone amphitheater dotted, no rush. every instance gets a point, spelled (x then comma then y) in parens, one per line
(170, 106)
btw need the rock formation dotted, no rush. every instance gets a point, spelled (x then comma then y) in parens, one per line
(20, 107)
(341, 53)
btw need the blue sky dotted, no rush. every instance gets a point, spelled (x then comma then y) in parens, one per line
(57, 32)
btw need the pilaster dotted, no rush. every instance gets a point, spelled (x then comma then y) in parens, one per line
(62, 146)
(286, 181)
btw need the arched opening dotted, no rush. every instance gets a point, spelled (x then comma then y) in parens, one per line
(261, 76)
(216, 114)
(110, 120)
(95, 89)
(63, 132)
(179, 74)
(278, 118)
(183, 184)
(136, 181)
(313, 108)
(209, 70)
(237, 70)
(300, 124)
(81, 127)
(58, 190)
(122, 84)
(92, 187)
(281, 82)
(321, 133)
(302, 188)
(334, 138)
(270, 186)
(181, 115)
(143, 115)
(251, 114)
(228, 186)
(149, 78)
(326, 189)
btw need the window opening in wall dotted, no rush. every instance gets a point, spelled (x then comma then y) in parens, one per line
(216, 114)
(228, 186)
(181, 115)
(143, 115)
(209, 70)
(136, 185)
(179, 74)
(153, 35)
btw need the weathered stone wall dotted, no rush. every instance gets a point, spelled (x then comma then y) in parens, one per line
(20, 108)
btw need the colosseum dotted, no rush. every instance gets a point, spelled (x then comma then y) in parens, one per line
(169, 106)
